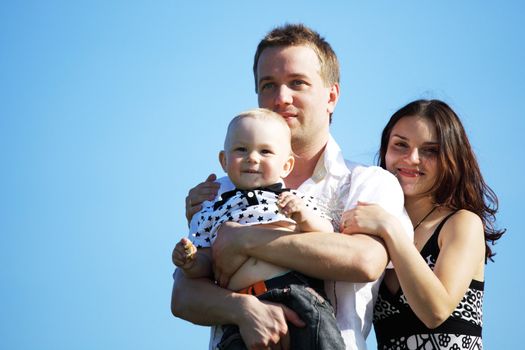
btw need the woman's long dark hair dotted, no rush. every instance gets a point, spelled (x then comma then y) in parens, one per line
(459, 183)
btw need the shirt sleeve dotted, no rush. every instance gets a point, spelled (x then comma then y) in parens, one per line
(376, 185)
(200, 233)
(200, 227)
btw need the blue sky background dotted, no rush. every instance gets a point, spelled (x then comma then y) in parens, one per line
(111, 110)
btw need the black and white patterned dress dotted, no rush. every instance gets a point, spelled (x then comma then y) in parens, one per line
(397, 327)
(247, 207)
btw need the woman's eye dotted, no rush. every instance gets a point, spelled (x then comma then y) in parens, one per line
(431, 151)
(400, 145)
(266, 86)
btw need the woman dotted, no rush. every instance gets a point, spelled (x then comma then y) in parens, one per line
(432, 299)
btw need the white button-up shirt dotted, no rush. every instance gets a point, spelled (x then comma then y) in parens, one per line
(340, 184)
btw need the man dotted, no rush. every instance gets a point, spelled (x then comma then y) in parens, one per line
(297, 75)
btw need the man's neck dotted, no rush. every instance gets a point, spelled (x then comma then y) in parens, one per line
(306, 160)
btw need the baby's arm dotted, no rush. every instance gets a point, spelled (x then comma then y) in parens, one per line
(307, 220)
(194, 263)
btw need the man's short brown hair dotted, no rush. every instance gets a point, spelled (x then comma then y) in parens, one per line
(301, 35)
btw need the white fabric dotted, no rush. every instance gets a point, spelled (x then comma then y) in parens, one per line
(246, 207)
(354, 302)
(340, 184)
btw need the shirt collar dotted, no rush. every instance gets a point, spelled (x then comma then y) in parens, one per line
(276, 188)
(331, 161)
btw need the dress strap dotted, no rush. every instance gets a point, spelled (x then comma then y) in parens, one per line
(440, 226)
(432, 243)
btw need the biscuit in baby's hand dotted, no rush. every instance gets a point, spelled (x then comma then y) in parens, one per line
(189, 249)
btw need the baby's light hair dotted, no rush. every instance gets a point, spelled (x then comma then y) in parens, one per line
(260, 114)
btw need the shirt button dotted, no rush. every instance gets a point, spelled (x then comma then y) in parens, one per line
(250, 194)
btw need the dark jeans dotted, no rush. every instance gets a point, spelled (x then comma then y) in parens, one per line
(321, 331)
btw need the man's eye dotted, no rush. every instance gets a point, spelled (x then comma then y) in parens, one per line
(298, 82)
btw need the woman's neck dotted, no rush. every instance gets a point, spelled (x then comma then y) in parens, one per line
(418, 208)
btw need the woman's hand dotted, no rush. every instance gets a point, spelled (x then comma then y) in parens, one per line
(365, 218)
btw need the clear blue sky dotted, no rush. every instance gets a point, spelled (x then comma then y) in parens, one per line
(111, 110)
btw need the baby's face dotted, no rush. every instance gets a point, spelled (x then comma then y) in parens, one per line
(257, 153)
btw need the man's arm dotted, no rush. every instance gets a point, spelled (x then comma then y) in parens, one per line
(202, 302)
(356, 258)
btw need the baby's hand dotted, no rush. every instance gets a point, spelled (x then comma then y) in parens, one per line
(184, 254)
(292, 206)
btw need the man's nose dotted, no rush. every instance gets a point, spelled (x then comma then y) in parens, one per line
(283, 95)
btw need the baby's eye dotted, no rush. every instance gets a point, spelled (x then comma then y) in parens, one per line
(240, 149)
(266, 151)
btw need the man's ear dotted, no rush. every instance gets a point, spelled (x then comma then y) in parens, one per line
(222, 160)
(333, 97)
(288, 166)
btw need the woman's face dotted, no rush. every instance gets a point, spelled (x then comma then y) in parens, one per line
(412, 155)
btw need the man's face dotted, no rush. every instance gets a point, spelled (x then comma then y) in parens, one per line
(289, 83)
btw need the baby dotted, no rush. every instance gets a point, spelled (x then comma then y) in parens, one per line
(257, 156)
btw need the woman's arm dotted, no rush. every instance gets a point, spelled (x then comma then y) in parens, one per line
(432, 295)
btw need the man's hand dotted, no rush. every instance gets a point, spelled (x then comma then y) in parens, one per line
(263, 325)
(206, 190)
(226, 252)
